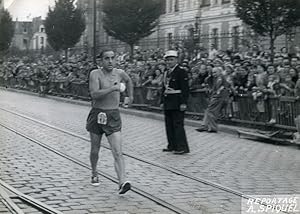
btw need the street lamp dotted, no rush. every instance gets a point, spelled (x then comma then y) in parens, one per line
(94, 33)
(196, 30)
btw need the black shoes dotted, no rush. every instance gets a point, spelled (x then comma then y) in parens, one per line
(181, 152)
(204, 129)
(167, 150)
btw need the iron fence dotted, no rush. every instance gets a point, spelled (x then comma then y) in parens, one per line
(242, 107)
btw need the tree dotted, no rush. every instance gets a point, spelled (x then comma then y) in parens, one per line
(64, 25)
(7, 30)
(131, 20)
(270, 18)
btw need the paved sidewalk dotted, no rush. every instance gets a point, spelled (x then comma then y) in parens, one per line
(62, 184)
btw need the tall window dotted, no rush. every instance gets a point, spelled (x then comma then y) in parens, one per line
(205, 3)
(188, 4)
(25, 42)
(24, 29)
(176, 6)
(170, 39)
(215, 38)
(42, 40)
(163, 9)
(170, 8)
(235, 37)
(106, 38)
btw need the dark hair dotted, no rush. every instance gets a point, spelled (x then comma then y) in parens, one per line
(263, 66)
(283, 48)
(104, 51)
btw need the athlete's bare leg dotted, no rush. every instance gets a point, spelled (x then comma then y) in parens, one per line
(115, 141)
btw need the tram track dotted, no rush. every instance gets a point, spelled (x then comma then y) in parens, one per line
(16, 202)
(109, 177)
(136, 190)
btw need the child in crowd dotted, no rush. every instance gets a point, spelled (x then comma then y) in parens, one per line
(297, 87)
(287, 87)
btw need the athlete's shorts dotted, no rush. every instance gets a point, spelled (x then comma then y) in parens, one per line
(102, 121)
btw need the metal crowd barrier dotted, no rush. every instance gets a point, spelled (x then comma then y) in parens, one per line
(243, 108)
(280, 111)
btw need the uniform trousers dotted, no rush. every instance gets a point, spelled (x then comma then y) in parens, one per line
(174, 121)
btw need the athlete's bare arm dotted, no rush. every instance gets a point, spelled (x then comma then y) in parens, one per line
(94, 85)
(129, 84)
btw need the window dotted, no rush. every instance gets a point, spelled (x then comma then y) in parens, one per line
(106, 38)
(235, 37)
(170, 6)
(42, 29)
(25, 42)
(215, 38)
(163, 9)
(42, 40)
(188, 4)
(226, 1)
(24, 29)
(205, 3)
(176, 6)
(235, 30)
(170, 39)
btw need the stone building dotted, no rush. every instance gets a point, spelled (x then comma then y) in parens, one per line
(29, 35)
(39, 38)
(1, 4)
(195, 23)
(181, 21)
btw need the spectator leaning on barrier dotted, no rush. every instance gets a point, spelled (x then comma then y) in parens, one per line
(297, 87)
(219, 95)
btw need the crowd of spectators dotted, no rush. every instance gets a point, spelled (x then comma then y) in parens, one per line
(38, 74)
(250, 72)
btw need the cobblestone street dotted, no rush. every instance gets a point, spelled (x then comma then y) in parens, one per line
(242, 165)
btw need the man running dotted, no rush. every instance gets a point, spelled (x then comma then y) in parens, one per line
(104, 118)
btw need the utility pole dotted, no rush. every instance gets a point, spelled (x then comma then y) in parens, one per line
(94, 33)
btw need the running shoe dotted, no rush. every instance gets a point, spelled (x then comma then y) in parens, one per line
(124, 187)
(95, 181)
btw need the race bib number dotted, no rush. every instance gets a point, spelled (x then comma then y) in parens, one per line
(102, 118)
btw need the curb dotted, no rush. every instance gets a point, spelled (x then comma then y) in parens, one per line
(222, 128)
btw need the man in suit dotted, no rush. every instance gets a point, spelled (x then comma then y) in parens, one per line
(174, 98)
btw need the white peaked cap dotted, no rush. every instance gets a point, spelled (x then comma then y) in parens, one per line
(171, 53)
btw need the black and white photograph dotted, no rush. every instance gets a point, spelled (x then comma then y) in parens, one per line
(149, 106)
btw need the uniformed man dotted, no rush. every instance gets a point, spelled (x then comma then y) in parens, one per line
(174, 98)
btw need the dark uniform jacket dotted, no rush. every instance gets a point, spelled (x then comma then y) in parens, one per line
(177, 80)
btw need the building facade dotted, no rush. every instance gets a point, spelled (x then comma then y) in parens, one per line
(30, 35)
(39, 38)
(194, 23)
(182, 20)
(1, 4)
